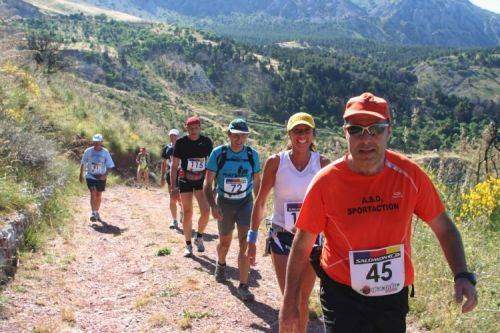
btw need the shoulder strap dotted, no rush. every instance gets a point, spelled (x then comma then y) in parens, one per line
(221, 160)
(250, 159)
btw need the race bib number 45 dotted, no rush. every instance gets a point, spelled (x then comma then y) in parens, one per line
(196, 164)
(378, 272)
(292, 210)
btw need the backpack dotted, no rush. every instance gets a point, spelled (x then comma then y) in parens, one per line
(221, 160)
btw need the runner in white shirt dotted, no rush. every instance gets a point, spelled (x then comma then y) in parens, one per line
(96, 163)
(289, 173)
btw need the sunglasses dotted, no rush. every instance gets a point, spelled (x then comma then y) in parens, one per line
(358, 130)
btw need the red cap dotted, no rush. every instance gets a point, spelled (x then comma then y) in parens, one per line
(195, 120)
(367, 104)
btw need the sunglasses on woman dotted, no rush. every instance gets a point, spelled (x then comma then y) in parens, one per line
(358, 130)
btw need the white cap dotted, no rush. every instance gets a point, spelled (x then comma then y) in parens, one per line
(97, 138)
(174, 131)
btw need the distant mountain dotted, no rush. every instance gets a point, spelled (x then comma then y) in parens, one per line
(424, 22)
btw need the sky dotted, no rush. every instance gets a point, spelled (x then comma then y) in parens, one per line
(492, 5)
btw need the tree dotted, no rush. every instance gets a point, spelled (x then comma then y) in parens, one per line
(46, 47)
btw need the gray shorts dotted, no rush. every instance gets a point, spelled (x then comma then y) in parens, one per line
(234, 212)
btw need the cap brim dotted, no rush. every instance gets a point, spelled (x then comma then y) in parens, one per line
(300, 122)
(353, 113)
(238, 131)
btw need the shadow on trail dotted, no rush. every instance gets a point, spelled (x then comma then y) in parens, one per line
(263, 311)
(106, 228)
(206, 237)
(231, 272)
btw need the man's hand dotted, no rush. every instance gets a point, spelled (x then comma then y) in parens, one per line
(216, 213)
(80, 179)
(463, 287)
(252, 253)
(289, 318)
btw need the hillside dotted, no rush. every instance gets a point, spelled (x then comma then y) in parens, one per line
(192, 70)
(476, 78)
(417, 22)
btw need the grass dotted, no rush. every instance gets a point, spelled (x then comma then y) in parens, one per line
(170, 291)
(157, 320)
(188, 316)
(68, 316)
(14, 196)
(165, 251)
(143, 300)
(433, 307)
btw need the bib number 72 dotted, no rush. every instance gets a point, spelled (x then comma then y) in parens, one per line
(385, 274)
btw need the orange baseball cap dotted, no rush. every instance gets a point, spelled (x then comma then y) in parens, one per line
(367, 104)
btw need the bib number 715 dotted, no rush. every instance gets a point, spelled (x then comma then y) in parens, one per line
(385, 274)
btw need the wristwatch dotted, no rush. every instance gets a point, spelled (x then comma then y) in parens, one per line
(467, 275)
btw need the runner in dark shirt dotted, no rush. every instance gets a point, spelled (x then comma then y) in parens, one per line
(191, 153)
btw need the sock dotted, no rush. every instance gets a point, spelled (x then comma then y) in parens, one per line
(188, 242)
(221, 264)
(242, 285)
(198, 235)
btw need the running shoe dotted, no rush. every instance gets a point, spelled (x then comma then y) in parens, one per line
(198, 241)
(220, 273)
(188, 251)
(244, 293)
(93, 217)
(98, 217)
(174, 224)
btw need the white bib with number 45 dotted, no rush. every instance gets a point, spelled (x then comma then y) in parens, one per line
(291, 213)
(196, 165)
(378, 272)
(235, 188)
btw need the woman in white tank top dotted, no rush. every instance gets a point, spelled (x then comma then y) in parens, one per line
(289, 173)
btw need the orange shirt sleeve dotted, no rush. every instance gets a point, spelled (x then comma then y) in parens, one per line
(312, 217)
(429, 204)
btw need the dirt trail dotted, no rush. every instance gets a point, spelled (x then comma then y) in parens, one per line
(109, 279)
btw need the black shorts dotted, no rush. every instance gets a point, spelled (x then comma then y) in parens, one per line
(282, 244)
(187, 186)
(96, 184)
(345, 310)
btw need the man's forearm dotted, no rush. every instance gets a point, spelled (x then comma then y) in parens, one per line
(453, 249)
(209, 194)
(297, 263)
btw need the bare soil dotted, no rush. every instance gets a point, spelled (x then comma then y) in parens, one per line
(97, 277)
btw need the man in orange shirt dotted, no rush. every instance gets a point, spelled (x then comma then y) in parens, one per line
(364, 203)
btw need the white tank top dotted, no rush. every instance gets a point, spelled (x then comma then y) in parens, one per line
(290, 188)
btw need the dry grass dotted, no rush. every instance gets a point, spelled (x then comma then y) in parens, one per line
(68, 316)
(157, 320)
(143, 300)
(185, 323)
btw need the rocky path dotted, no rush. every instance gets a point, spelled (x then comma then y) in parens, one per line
(107, 278)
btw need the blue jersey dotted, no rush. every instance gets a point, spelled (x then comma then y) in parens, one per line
(96, 162)
(235, 178)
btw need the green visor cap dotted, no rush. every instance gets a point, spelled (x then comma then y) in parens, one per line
(238, 126)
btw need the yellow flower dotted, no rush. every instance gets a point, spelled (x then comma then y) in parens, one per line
(482, 200)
